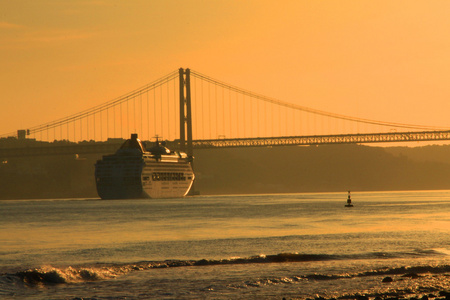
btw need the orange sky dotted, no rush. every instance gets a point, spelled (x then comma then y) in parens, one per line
(382, 60)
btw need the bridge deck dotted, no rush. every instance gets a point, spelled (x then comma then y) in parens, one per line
(103, 148)
(327, 139)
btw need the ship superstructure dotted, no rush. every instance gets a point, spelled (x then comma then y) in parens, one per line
(135, 172)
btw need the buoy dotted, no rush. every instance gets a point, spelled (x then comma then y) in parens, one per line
(349, 201)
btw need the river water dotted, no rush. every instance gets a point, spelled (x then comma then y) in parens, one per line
(292, 246)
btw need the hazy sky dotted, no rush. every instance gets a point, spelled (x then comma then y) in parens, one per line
(384, 60)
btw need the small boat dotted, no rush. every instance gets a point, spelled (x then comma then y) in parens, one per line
(349, 201)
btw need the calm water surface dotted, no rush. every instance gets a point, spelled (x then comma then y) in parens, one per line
(225, 247)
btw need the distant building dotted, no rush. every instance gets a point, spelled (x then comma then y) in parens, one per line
(22, 134)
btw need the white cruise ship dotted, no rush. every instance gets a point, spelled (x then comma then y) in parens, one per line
(135, 172)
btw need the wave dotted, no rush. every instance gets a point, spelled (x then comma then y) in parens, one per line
(72, 274)
(49, 274)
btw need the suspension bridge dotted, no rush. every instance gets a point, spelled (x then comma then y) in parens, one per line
(192, 110)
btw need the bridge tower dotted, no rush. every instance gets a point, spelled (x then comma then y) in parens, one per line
(186, 119)
(185, 113)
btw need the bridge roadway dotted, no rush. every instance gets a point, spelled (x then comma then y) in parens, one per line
(111, 147)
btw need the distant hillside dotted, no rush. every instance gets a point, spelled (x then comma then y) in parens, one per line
(433, 153)
(321, 169)
(252, 170)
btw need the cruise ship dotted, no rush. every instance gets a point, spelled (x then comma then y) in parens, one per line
(136, 172)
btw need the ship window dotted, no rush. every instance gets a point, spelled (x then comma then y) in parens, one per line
(167, 176)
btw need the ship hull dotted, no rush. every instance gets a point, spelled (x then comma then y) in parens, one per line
(135, 172)
(134, 178)
(167, 180)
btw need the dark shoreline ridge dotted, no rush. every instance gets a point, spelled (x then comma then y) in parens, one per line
(254, 170)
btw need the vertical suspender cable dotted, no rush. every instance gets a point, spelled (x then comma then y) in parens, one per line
(101, 126)
(209, 109)
(161, 114)
(286, 127)
(142, 123)
(87, 128)
(203, 114)
(279, 121)
(223, 111)
(128, 117)
(273, 120)
(244, 125)
(257, 118)
(154, 111)
(93, 116)
(148, 117)
(217, 108)
(237, 115)
(134, 115)
(231, 114)
(168, 109)
(265, 118)
(293, 122)
(251, 117)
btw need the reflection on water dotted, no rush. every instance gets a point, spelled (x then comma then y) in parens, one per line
(222, 247)
(72, 223)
